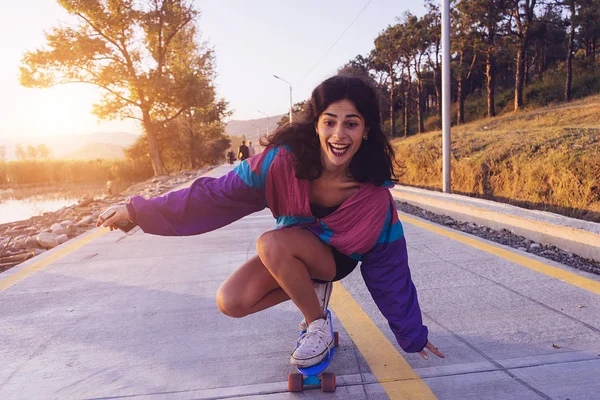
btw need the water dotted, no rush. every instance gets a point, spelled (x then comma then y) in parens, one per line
(17, 210)
(22, 203)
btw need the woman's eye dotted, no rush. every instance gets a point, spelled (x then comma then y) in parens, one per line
(351, 124)
(329, 123)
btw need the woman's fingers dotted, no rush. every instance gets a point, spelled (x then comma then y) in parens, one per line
(120, 213)
(434, 350)
(431, 348)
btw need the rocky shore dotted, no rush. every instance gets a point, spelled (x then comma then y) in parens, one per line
(22, 240)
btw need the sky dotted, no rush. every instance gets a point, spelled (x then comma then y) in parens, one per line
(252, 39)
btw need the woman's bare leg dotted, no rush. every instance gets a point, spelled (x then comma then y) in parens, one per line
(287, 261)
(294, 257)
(251, 288)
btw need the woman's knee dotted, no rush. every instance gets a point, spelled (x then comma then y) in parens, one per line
(229, 304)
(271, 247)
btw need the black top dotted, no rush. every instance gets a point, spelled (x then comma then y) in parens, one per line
(322, 212)
(243, 152)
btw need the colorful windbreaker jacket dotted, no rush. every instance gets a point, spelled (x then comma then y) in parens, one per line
(365, 227)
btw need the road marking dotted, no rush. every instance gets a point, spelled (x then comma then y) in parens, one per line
(565, 276)
(49, 259)
(392, 371)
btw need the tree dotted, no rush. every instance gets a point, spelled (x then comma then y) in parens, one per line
(522, 16)
(132, 49)
(434, 23)
(386, 59)
(20, 153)
(572, 10)
(589, 20)
(414, 46)
(43, 151)
(485, 16)
(463, 43)
(31, 153)
(298, 108)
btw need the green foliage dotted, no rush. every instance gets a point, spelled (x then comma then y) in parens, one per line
(297, 109)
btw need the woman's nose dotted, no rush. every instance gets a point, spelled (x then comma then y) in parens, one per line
(339, 131)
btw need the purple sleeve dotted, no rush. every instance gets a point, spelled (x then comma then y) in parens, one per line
(387, 276)
(208, 204)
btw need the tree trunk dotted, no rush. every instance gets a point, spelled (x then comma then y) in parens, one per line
(490, 73)
(520, 75)
(420, 121)
(392, 117)
(570, 52)
(438, 92)
(406, 103)
(461, 104)
(157, 163)
(406, 112)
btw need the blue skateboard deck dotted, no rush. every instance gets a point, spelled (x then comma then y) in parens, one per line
(314, 375)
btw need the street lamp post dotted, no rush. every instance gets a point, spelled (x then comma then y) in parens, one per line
(446, 97)
(267, 121)
(291, 104)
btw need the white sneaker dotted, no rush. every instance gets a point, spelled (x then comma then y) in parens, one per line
(314, 345)
(323, 291)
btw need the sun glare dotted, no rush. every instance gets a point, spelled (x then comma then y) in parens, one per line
(62, 110)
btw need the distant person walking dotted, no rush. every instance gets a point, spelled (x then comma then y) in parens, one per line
(231, 157)
(251, 150)
(243, 151)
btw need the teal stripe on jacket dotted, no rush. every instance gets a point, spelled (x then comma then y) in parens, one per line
(251, 178)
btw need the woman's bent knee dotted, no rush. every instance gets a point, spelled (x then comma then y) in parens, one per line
(229, 305)
(270, 247)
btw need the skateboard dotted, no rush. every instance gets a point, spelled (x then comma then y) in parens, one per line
(314, 376)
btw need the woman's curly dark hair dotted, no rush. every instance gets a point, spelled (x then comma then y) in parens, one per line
(373, 162)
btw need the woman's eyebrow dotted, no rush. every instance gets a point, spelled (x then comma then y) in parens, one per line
(347, 116)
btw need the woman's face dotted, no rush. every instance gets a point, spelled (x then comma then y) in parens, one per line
(341, 129)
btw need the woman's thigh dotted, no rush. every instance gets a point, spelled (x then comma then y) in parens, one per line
(253, 280)
(276, 247)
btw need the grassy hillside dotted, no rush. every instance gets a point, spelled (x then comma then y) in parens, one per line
(547, 159)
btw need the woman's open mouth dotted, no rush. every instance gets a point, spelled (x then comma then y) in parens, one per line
(339, 150)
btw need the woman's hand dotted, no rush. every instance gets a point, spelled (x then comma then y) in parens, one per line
(431, 348)
(121, 213)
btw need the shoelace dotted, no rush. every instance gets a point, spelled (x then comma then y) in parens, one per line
(318, 332)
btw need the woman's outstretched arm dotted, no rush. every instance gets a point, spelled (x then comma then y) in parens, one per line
(209, 203)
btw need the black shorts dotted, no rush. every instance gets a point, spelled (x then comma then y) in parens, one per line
(344, 265)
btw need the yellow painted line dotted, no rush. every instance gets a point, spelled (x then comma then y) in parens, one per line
(565, 276)
(44, 262)
(392, 371)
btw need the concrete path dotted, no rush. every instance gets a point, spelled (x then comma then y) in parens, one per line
(134, 317)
